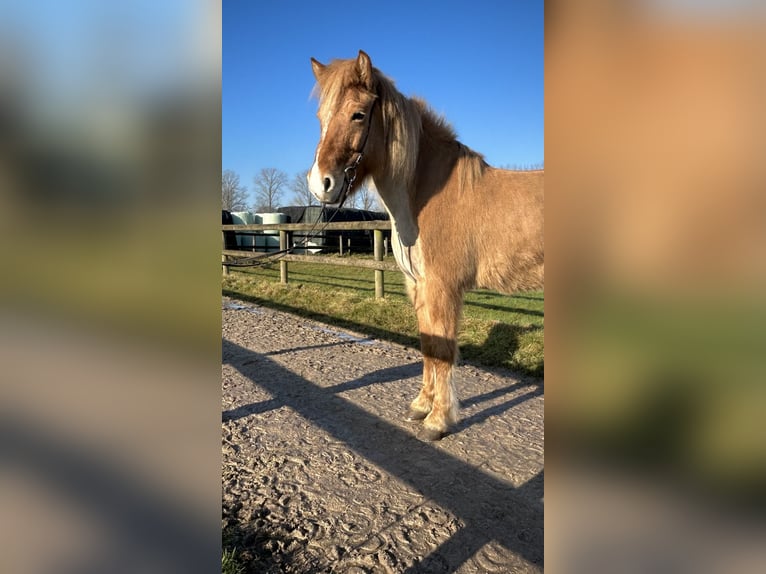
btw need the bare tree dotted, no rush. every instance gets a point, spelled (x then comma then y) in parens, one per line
(366, 198)
(233, 194)
(268, 187)
(523, 166)
(300, 189)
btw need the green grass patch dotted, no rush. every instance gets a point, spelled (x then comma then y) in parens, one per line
(496, 330)
(231, 561)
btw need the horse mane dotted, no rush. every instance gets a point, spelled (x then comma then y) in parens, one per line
(470, 164)
(405, 121)
(403, 128)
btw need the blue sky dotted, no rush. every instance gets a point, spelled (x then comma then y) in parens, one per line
(479, 63)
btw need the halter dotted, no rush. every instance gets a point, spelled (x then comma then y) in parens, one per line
(349, 172)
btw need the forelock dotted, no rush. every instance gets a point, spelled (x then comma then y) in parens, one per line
(337, 77)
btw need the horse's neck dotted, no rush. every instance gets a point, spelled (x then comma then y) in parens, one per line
(396, 200)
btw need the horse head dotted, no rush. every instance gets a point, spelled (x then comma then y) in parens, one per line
(346, 103)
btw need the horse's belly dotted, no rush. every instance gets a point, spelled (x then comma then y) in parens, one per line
(511, 274)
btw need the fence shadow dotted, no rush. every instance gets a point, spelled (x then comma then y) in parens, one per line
(502, 341)
(387, 375)
(488, 412)
(519, 310)
(488, 508)
(363, 328)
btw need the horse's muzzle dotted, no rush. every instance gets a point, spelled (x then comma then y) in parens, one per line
(326, 187)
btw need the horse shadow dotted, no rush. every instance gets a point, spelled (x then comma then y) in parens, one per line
(500, 347)
(498, 409)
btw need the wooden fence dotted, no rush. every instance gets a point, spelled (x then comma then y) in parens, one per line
(285, 241)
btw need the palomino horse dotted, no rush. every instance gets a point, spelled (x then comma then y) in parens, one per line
(457, 223)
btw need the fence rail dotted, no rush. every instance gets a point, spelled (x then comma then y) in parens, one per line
(285, 241)
(333, 226)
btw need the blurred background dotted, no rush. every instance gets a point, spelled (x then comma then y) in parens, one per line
(109, 298)
(656, 261)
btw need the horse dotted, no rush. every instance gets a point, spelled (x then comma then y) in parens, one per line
(456, 222)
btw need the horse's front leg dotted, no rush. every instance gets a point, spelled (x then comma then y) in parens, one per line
(438, 312)
(439, 355)
(421, 406)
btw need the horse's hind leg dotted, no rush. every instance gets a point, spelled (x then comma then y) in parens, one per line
(438, 311)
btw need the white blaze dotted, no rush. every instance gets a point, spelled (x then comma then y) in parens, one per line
(315, 179)
(315, 176)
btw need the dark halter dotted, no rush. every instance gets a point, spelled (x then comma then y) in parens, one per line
(349, 171)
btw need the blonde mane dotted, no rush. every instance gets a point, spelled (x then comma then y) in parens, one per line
(404, 119)
(469, 165)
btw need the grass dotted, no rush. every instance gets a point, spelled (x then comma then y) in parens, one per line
(230, 563)
(496, 330)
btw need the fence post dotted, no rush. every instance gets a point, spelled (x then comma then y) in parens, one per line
(377, 248)
(283, 264)
(223, 257)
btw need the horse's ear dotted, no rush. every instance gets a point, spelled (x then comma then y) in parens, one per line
(364, 67)
(317, 67)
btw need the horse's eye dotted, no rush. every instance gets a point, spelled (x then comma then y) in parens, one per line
(357, 117)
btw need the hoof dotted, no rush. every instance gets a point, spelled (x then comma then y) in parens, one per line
(415, 415)
(432, 434)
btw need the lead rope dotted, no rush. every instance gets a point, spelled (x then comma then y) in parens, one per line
(276, 255)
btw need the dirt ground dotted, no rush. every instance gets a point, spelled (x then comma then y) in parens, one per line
(322, 473)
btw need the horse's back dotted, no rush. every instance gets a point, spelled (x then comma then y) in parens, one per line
(509, 242)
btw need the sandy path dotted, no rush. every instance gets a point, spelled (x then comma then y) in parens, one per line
(322, 474)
